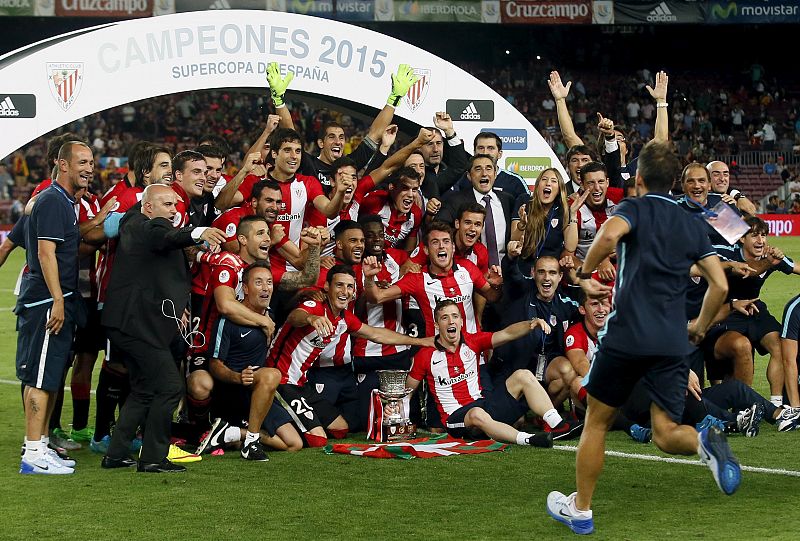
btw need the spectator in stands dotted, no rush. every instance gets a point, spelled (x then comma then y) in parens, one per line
(770, 168)
(775, 206)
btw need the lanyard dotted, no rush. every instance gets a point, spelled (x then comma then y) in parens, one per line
(707, 211)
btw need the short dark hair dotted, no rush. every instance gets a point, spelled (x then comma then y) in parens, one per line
(211, 151)
(328, 125)
(477, 157)
(370, 219)
(580, 149)
(180, 159)
(694, 165)
(471, 207)
(259, 264)
(217, 141)
(281, 136)
(339, 269)
(438, 225)
(441, 305)
(488, 135)
(246, 224)
(757, 226)
(592, 167)
(265, 184)
(404, 172)
(346, 225)
(658, 165)
(54, 144)
(343, 161)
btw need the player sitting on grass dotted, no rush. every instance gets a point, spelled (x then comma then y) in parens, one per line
(244, 388)
(451, 369)
(761, 327)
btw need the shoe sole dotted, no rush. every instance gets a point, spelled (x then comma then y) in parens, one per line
(572, 432)
(28, 469)
(724, 466)
(752, 428)
(580, 527)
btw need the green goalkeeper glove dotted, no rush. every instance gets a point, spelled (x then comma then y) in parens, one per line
(277, 84)
(402, 81)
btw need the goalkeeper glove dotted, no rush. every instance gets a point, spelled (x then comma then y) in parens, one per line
(277, 84)
(401, 83)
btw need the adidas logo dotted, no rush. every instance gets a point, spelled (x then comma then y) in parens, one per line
(7, 108)
(470, 112)
(661, 13)
(220, 4)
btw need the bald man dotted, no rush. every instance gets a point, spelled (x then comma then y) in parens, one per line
(721, 184)
(147, 294)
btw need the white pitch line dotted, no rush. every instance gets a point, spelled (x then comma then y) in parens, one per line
(653, 458)
(16, 382)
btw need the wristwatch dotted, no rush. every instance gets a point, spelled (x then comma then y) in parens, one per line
(583, 275)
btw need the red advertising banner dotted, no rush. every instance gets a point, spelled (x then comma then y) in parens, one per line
(782, 225)
(546, 12)
(104, 8)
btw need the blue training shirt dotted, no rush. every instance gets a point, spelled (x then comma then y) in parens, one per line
(649, 315)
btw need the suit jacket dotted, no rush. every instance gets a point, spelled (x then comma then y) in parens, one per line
(150, 271)
(453, 201)
(454, 162)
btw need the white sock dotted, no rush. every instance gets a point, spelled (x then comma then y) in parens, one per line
(552, 418)
(777, 400)
(45, 440)
(522, 438)
(250, 438)
(232, 434)
(33, 449)
(578, 512)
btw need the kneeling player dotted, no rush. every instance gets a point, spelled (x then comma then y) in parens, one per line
(244, 389)
(451, 369)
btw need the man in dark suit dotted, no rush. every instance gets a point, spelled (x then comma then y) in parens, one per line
(481, 172)
(147, 293)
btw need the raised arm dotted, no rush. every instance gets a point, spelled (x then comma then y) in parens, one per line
(277, 91)
(560, 93)
(391, 338)
(659, 94)
(373, 293)
(515, 331)
(401, 84)
(229, 195)
(396, 160)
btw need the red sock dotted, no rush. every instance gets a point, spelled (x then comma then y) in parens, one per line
(338, 434)
(582, 395)
(80, 391)
(316, 441)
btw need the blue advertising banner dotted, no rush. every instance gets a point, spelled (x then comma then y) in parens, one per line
(751, 12)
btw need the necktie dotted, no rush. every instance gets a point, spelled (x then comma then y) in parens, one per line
(491, 233)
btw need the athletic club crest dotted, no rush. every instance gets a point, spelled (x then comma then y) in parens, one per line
(419, 90)
(65, 80)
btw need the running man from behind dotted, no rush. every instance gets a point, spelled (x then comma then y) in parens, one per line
(652, 237)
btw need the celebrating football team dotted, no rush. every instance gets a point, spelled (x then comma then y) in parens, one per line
(252, 312)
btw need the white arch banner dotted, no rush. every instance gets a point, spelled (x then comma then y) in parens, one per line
(54, 82)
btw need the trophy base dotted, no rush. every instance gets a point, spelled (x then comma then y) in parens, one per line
(399, 431)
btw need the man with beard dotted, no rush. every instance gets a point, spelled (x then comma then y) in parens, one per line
(244, 389)
(444, 164)
(222, 299)
(311, 330)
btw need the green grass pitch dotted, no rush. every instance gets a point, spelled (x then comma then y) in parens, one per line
(310, 495)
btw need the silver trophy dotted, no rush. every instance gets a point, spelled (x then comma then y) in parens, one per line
(392, 388)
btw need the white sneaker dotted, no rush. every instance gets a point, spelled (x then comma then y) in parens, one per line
(789, 419)
(43, 465)
(66, 462)
(562, 508)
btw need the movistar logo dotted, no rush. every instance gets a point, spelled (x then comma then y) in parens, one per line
(723, 13)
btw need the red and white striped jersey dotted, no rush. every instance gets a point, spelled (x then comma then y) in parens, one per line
(295, 349)
(388, 315)
(577, 337)
(225, 270)
(478, 256)
(127, 196)
(298, 198)
(458, 284)
(590, 221)
(349, 212)
(396, 227)
(453, 378)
